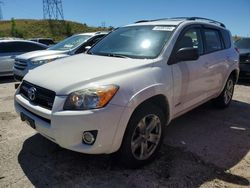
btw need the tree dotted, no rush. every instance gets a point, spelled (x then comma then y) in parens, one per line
(14, 31)
(13, 27)
(68, 30)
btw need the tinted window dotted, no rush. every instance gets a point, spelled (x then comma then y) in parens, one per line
(46, 41)
(90, 42)
(212, 40)
(28, 47)
(191, 39)
(10, 47)
(94, 40)
(4, 47)
(226, 38)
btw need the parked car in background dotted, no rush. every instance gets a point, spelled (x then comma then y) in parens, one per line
(46, 41)
(122, 93)
(9, 49)
(73, 45)
(243, 45)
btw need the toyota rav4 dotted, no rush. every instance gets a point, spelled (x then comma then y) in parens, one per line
(120, 96)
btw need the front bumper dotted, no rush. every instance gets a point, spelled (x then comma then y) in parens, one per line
(66, 127)
(19, 74)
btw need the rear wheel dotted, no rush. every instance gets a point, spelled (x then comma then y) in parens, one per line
(143, 136)
(226, 95)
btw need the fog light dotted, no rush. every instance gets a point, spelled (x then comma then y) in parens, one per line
(89, 137)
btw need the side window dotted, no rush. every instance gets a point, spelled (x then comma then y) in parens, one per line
(27, 47)
(3, 47)
(47, 42)
(7, 47)
(12, 47)
(226, 38)
(191, 39)
(212, 40)
(90, 42)
(95, 40)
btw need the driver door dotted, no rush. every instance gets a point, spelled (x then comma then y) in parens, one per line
(189, 77)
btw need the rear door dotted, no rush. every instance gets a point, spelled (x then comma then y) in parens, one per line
(216, 61)
(189, 77)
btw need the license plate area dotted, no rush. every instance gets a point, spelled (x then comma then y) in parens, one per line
(28, 120)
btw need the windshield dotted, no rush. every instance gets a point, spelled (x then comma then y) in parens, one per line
(243, 43)
(134, 42)
(70, 43)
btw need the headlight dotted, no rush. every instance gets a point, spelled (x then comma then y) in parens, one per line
(91, 98)
(42, 61)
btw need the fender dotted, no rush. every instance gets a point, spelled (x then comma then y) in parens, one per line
(137, 99)
(232, 69)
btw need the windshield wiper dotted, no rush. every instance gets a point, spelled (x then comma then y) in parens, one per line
(108, 54)
(116, 55)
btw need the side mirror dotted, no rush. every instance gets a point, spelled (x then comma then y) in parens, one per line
(185, 54)
(87, 48)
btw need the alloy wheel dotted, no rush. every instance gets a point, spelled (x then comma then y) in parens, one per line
(146, 137)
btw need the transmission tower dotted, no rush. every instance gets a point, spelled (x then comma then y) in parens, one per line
(52, 9)
(1, 13)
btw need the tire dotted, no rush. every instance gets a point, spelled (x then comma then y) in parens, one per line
(143, 136)
(225, 98)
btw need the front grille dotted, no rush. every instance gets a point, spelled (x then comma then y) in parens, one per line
(43, 97)
(20, 64)
(245, 58)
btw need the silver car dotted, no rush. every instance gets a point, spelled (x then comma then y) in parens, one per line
(75, 44)
(9, 49)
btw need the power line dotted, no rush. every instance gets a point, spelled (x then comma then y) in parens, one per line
(52, 9)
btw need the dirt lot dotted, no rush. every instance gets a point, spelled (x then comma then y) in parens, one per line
(204, 148)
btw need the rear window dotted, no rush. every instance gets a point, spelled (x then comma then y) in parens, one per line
(212, 40)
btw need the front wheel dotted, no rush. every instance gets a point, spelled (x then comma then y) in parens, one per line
(143, 136)
(226, 95)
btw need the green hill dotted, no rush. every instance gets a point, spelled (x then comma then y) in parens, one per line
(43, 28)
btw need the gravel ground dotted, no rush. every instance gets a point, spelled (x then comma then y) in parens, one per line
(204, 148)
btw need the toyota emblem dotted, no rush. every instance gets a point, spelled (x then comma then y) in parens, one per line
(32, 93)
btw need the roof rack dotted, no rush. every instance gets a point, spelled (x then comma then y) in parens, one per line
(185, 18)
(206, 19)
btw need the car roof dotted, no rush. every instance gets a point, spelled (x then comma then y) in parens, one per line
(41, 39)
(178, 20)
(94, 33)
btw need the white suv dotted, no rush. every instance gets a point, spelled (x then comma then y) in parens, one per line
(120, 96)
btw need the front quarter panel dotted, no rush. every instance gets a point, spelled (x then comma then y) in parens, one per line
(139, 87)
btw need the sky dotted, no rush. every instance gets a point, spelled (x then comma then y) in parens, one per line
(235, 14)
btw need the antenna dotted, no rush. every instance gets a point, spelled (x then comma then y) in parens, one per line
(1, 13)
(52, 9)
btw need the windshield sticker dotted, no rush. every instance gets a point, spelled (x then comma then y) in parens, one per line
(163, 28)
(68, 45)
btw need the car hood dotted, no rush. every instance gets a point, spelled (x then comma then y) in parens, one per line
(69, 74)
(39, 54)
